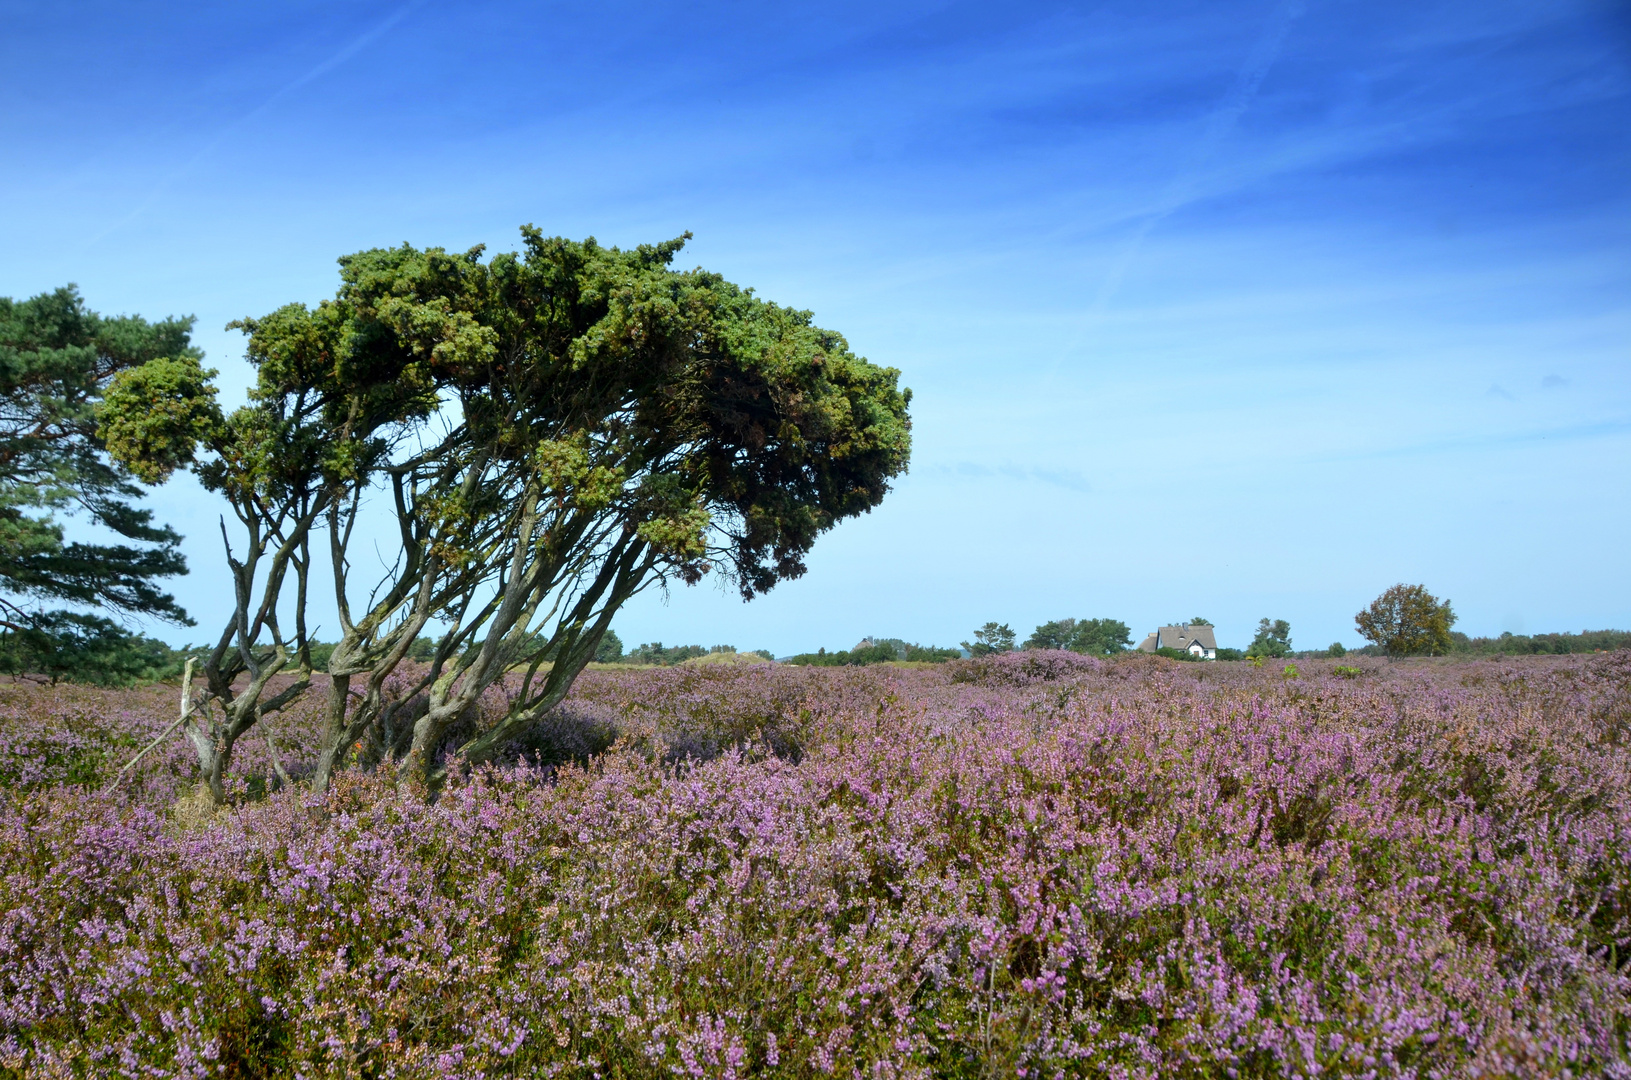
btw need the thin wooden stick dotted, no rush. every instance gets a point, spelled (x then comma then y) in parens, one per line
(186, 711)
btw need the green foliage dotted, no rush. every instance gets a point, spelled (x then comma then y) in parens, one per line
(1273, 639)
(79, 648)
(872, 654)
(876, 651)
(1509, 644)
(1198, 621)
(1177, 654)
(655, 653)
(1407, 620)
(1289, 672)
(931, 654)
(902, 649)
(57, 362)
(897, 646)
(610, 649)
(555, 429)
(860, 656)
(1095, 637)
(1345, 672)
(154, 416)
(991, 638)
(1337, 650)
(1231, 654)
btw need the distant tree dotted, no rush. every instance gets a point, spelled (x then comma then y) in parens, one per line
(1052, 635)
(1230, 654)
(1407, 620)
(319, 652)
(656, 653)
(991, 638)
(878, 653)
(1096, 637)
(1101, 637)
(610, 649)
(1198, 621)
(1273, 639)
(1337, 649)
(58, 361)
(897, 646)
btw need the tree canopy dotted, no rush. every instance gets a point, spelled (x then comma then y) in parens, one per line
(58, 360)
(991, 638)
(1407, 620)
(1097, 637)
(1273, 639)
(553, 430)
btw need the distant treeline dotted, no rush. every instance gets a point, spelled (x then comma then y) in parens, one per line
(664, 656)
(610, 651)
(1531, 644)
(125, 659)
(876, 651)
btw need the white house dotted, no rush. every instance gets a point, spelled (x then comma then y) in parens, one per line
(1195, 640)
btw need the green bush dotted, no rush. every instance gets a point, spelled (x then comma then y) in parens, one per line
(876, 652)
(931, 654)
(656, 653)
(1176, 654)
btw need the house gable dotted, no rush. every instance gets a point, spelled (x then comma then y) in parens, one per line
(1198, 640)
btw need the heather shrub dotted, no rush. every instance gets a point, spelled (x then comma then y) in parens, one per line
(1134, 869)
(1023, 668)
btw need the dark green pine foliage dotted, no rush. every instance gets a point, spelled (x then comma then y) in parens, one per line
(56, 359)
(1273, 639)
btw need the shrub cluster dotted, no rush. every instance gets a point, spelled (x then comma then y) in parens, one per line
(876, 651)
(1029, 864)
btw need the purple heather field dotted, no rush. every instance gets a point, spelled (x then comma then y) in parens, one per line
(1034, 865)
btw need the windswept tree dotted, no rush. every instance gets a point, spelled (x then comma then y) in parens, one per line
(991, 638)
(551, 431)
(57, 361)
(1407, 620)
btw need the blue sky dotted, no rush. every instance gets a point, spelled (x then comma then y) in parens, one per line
(1224, 309)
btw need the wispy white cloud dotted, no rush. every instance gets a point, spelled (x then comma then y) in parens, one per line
(228, 130)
